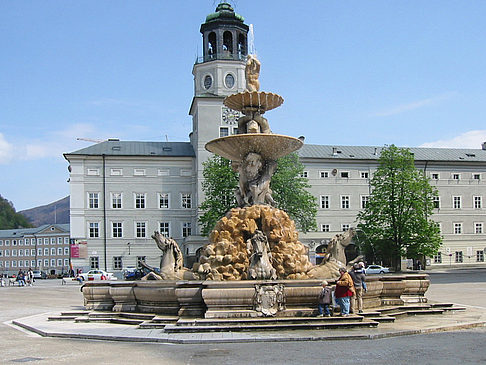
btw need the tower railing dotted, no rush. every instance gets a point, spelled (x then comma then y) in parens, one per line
(222, 56)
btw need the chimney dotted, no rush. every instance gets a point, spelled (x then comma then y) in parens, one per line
(483, 146)
(334, 151)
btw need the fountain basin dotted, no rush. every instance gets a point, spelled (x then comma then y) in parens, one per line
(269, 146)
(257, 100)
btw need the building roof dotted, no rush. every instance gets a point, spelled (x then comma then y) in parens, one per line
(373, 153)
(21, 232)
(136, 148)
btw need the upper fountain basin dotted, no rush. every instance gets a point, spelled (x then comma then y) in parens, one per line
(269, 146)
(255, 100)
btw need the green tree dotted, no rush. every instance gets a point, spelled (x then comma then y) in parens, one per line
(396, 221)
(9, 218)
(288, 186)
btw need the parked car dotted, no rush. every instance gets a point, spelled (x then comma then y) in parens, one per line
(96, 275)
(376, 269)
(39, 274)
(132, 273)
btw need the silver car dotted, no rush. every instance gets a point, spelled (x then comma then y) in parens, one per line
(376, 269)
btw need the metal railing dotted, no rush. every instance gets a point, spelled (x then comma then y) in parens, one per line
(222, 56)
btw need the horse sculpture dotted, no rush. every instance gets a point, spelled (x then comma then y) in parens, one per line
(171, 262)
(260, 258)
(335, 257)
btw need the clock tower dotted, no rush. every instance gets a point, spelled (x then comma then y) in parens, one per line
(218, 73)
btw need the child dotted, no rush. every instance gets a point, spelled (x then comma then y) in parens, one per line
(324, 300)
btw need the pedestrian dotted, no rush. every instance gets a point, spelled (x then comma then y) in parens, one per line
(21, 278)
(359, 280)
(30, 277)
(344, 291)
(324, 300)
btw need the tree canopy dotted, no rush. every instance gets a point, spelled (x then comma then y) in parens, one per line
(396, 221)
(288, 186)
(9, 218)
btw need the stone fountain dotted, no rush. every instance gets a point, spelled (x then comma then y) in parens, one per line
(254, 264)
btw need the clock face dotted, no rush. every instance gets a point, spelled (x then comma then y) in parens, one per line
(208, 81)
(229, 116)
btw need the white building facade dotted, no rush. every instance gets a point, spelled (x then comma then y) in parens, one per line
(122, 191)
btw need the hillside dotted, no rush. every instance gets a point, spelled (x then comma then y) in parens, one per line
(57, 212)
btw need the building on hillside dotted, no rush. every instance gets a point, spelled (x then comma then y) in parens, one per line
(122, 191)
(44, 248)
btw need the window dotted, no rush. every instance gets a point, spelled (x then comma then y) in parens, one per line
(53, 240)
(477, 176)
(345, 202)
(436, 201)
(344, 227)
(140, 259)
(59, 251)
(14, 252)
(93, 200)
(185, 172)
(364, 174)
(434, 176)
(59, 262)
(32, 252)
(39, 252)
(478, 228)
(117, 229)
(364, 201)
(21, 242)
(93, 172)
(66, 262)
(139, 172)
(14, 263)
(53, 251)
(223, 131)
(163, 200)
(304, 174)
(14, 242)
(186, 200)
(345, 174)
(7, 253)
(39, 263)
(163, 172)
(480, 256)
(59, 240)
(53, 262)
(477, 202)
(66, 251)
(325, 201)
(456, 176)
(7, 263)
(164, 229)
(94, 262)
(324, 174)
(94, 230)
(116, 172)
(186, 229)
(7, 243)
(21, 252)
(139, 200)
(457, 228)
(438, 258)
(66, 240)
(46, 251)
(117, 263)
(27, 252)
(325, 227)
(140, 229)
(46, 241)
(456, 202)
(39, 241)
(459, 257)
(116, 200)
(1, 243)
(46, 263)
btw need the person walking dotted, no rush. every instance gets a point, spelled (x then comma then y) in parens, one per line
(359, 280)
(344, 291)
(30, 277)
(324, 300)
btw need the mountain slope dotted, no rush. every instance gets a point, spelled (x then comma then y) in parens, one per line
(57, 212)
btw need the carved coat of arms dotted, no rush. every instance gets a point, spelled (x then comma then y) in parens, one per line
(269, 299)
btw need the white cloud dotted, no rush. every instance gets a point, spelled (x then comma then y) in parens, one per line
(471, 139)
(6, 150)
(413, 105)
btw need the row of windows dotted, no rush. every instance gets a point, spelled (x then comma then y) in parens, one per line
(31, 263)
(31, 252)
(457, 202)
(225, 131)
(325, 201)
(139, 200)
(477, 228)
(458, 257)
(140, 229)
(327, 227)
(325, 174)
(137, 172)
(31, 241)
(94, 262)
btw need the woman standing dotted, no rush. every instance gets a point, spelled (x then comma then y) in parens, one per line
(344, 291)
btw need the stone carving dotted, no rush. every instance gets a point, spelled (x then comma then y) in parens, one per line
(226, 256)
(269, 299)
(335, 256)
(254, 181)
(252, 72)
(260, 258)
(171, 262)
(253, 122)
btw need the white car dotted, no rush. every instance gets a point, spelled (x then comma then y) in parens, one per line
(376, 269)
(96, 275)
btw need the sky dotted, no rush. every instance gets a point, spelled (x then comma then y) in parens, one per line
(407, 72)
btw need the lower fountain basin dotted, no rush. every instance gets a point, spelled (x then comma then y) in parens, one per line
(269, 146)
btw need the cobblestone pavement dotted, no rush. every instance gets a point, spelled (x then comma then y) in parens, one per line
(465, 346)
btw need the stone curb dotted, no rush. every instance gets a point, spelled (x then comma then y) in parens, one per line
(270, 338)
